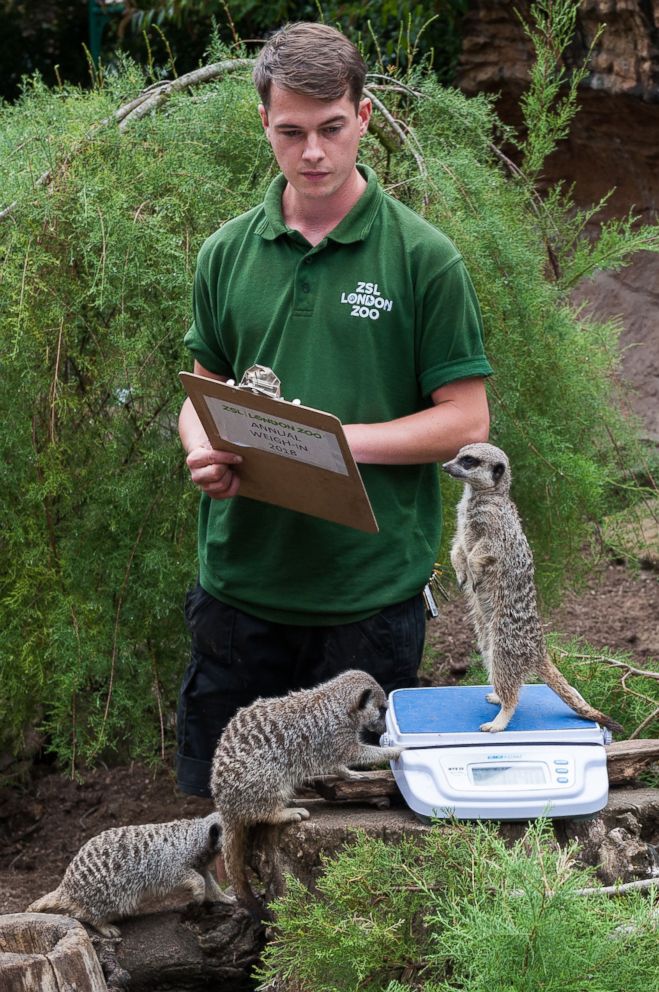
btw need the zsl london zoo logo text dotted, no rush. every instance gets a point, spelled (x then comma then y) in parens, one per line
(365, 301)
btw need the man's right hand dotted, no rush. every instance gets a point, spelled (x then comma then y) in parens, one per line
(214, 472)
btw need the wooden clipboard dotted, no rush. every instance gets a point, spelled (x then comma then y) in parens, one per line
(293, 456)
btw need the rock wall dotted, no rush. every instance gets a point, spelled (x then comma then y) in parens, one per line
(496, 51)
(613, 145)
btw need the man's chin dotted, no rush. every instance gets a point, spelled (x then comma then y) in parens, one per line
(322, 184)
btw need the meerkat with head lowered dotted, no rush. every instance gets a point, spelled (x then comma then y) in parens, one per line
(270, 748)
(493, 564)
(114, 870)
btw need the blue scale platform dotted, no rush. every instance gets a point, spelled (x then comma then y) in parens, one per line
(457, 710)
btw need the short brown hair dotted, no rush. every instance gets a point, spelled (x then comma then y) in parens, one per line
(313, 59)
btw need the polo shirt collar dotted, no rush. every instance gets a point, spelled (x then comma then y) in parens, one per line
(355, 226)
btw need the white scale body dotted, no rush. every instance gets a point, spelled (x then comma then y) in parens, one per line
(548, 762)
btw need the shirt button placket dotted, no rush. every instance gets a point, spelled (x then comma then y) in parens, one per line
(304, 287)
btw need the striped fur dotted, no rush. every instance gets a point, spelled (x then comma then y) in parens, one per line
(114, 870)
(494, 567)
(270, 748)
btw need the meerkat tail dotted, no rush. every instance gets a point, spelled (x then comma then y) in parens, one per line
(234, 851)
(557, 681)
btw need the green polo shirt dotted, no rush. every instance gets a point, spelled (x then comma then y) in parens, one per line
(365, 325)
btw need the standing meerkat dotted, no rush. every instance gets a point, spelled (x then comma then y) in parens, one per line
(114, 870)
(270, 748)
(494, 567)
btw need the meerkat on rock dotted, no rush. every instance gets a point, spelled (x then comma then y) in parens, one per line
(114, 870)
(270, 748)
(493, 564)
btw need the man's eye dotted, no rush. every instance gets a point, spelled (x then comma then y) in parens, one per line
(290, 134)
(332, 129)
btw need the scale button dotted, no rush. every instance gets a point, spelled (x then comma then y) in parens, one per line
(560, 761)
(562, 779)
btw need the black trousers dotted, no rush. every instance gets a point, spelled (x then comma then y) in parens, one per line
(236, 658)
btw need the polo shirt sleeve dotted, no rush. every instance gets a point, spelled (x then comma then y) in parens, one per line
(203, 337)
(450, 344)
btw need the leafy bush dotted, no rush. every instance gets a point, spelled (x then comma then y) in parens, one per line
(97, 262)
(456, 908)
(392, 32)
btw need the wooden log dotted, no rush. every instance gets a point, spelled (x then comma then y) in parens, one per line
(368, 787)
(40, 952)
(625, 760)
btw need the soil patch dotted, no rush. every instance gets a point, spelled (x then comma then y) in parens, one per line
(616, 611)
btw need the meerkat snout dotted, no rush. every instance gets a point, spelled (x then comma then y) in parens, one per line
(483, 466)
(372, 710)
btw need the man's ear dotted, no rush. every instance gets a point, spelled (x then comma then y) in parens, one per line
(263, 113)
(364, 113)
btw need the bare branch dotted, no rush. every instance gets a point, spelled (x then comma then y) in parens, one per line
(162, 91)
(149, 99)
(407, 139)
(643, 672)
(619, 890)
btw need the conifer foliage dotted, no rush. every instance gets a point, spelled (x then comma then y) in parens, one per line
(459, 909)
(99, 230)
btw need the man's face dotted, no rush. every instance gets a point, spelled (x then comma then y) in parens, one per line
(314, 141)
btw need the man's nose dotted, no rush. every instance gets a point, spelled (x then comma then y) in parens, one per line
(313, 151)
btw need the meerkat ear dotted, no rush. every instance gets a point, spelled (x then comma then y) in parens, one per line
(364, 699)
(498, 470)
(214, 833)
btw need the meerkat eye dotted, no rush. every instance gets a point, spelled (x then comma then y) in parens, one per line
(498, 470)
(468, 461)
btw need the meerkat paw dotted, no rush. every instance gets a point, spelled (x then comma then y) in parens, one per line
(494, 726)
(107, 930)
(350, 774)
(492, 698)
(226, 896)
(213, 892)
(291, 814)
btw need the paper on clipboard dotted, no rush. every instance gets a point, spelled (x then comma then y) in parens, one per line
(293, 456)
(245, 426)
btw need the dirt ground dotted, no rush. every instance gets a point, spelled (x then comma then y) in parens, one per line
(617, 611)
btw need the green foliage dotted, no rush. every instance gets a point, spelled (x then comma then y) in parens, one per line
(457, 908)
(549, 104)
(97, 270)
(96, 264)
(548, 109)
(392, 33)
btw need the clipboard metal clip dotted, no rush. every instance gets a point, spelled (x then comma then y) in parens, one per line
(261, 379)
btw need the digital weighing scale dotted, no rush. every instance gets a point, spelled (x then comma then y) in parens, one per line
(548, 762)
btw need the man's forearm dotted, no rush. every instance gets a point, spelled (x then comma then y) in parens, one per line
(190, 429)
(460, 416)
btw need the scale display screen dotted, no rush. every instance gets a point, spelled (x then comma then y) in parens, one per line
(516, 774)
